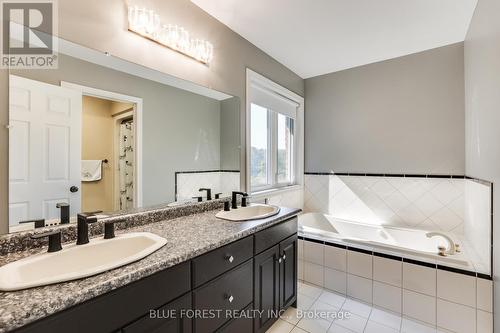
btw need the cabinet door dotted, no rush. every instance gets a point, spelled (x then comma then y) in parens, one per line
(288, 271)
(266, 288)
(170, 318)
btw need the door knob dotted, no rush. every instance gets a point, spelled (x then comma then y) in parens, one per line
(73, 189)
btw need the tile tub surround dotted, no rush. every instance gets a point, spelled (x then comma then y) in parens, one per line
(438, 296)
(364, 318)
(187, 183)
(424, 202)
(187, 237)
(458, 205)
(124, 219)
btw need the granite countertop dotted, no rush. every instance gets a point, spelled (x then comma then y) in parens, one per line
(187, 237)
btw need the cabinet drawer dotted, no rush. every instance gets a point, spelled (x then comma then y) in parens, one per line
(216, 262)
(240, 325)
(231, 291)
(167, 319)
(273, 235)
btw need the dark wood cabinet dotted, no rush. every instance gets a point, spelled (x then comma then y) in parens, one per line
(258, 272)
(114, 310)
(275, 275)
(232, 291)
(241, 324)
(210, 265)
(169, 318)
(266, 288)
(288, 272)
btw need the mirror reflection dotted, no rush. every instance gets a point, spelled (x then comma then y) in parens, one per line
(88, 137)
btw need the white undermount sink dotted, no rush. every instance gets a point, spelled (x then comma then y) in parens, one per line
(78, 261)
(252, 212)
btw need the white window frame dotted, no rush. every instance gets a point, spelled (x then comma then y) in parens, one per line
(297, 172)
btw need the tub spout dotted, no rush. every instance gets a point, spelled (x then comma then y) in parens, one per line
(451, 244)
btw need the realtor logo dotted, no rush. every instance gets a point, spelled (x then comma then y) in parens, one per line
(28, 36)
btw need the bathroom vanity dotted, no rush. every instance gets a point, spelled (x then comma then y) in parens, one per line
(209, 270)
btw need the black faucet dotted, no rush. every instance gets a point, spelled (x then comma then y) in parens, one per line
(39, 223)
(82, 227)
(54, 239)
(234, 197)
(64, 212)
(209, 192)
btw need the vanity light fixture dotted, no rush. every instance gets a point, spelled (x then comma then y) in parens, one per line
(146, 23)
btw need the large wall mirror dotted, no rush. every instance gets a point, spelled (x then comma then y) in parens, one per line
(101, 134)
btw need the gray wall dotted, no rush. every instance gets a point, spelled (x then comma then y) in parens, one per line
(102, 25)
(181, 130)
(482, 113)
(404, 115)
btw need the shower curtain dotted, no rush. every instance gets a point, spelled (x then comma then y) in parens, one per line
(126, 164)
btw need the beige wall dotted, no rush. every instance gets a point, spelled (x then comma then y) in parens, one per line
(482, 114)
(102, 25)
(97, 144)
(404, 115)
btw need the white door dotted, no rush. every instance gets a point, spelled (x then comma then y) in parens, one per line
(44, 149)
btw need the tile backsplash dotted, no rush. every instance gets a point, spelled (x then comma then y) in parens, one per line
(478, 221)
(188, 183)
(415, 202)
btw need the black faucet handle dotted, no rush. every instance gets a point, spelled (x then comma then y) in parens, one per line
(54, 239)
(109, 230)
(217, 195)
(199, 199)
(39, 223)
(245, 201)
(87, 217)
(64, 211)
(209, 192)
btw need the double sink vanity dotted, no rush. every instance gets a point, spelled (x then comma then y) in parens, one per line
(159, 155)
(168, 269)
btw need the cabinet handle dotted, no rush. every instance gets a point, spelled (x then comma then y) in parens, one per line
(284, 256)
(230, 258)
(279, 260)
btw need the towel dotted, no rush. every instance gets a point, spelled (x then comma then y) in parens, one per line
(91, 170)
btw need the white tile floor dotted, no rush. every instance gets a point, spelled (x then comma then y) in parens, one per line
(363, 317)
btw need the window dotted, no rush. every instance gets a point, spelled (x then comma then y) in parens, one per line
(273, 153)
(260, 146)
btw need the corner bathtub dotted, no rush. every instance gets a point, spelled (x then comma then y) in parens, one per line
(412, 242)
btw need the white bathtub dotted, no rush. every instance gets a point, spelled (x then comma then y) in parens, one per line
(411, 242)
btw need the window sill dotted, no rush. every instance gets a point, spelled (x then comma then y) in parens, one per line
(275, 191)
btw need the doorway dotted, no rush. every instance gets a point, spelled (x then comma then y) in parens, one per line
(107, 154)
(121, 126)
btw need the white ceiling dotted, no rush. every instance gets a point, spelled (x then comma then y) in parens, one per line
(315, 37)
